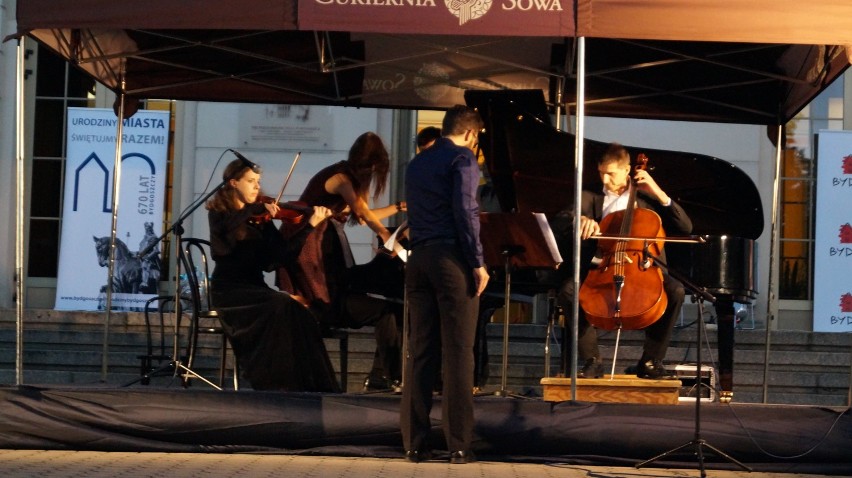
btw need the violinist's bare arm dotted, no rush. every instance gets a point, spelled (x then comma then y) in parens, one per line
(340, 184)
(390, 210)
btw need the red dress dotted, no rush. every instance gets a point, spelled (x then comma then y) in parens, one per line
(325, 275)
(318, 270)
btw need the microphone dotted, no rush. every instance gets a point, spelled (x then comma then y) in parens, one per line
(253, 166)
(647, 260)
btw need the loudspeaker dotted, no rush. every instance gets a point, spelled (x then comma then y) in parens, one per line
(705, 388)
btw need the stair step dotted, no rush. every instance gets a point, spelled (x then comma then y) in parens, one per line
(66, 348)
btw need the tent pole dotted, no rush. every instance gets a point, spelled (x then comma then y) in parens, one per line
(560, 85)
(774, 262)
(578, 191)
(19, 214)
(116, 187)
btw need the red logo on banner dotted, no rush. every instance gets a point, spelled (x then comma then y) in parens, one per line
(847, 164)
(846, 234)
(846, 302)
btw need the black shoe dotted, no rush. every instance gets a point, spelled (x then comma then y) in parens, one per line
(654, 370)
(377, 384)
(593, 368)
(416, 456)
(460, 457)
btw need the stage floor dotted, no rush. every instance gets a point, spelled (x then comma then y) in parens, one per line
(779, 438)
(94, 464)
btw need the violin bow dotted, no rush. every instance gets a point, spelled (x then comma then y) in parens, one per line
(684, 239)
(289, 175)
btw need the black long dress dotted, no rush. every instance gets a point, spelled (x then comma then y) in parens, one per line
(276, 340)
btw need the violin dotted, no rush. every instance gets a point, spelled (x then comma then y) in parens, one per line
(291, 212)
(625, 290)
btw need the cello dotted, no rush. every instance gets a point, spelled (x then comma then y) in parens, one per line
(626, 289)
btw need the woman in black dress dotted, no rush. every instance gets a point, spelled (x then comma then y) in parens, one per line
(276, 340)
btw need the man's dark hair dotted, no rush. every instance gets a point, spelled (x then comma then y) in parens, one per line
(615, 153)
(459, 119)
(427, 135)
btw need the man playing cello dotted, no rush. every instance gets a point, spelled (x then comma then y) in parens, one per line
(614, 169)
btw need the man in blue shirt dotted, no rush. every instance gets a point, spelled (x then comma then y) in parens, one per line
(445, 276)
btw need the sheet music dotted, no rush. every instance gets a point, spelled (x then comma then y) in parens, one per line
(393, 245)
(526, 238)
(549, 238)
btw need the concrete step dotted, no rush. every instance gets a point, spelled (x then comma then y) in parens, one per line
(67, 348)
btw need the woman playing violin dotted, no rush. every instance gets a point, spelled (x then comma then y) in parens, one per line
(320, 272)
(276, 340)
(615, 173)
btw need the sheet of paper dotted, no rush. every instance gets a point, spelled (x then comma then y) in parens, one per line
(392, 244)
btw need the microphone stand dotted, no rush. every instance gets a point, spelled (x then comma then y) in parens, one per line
(648, 260)
(177, 229)
(177, 226)
(699, 295)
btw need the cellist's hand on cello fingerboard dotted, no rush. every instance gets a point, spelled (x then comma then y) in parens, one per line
(644, 182)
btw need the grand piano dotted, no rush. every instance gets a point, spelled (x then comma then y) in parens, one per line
(531, 168)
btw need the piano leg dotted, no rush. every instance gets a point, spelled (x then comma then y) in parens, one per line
(725, 343)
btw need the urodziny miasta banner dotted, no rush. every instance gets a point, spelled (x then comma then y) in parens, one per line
(87, 209)
(833, 243)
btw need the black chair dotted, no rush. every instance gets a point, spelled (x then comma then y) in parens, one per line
(204, 319)
(342, 336)
(156, 357)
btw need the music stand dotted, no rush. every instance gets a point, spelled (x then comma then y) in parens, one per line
(699, 295)
(516, 240)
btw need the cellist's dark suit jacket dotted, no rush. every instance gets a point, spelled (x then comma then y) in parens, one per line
(675, 222)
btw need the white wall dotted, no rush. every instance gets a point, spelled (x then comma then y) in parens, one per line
(8, 170)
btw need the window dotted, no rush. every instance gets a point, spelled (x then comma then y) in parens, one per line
(58, 86)
(798, 195)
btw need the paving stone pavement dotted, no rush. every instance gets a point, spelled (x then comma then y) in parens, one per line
(47, 464)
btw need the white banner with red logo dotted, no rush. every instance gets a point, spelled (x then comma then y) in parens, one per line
(833, 242)
(87, 209)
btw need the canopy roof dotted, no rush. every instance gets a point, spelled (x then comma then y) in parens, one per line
(755, 62)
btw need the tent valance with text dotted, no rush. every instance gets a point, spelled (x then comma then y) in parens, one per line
(441, 17)
(753, 62)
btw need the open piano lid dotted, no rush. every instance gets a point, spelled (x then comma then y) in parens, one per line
(531, 166)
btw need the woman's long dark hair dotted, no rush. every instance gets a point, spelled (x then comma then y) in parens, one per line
(225, 198)
(368, 162)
